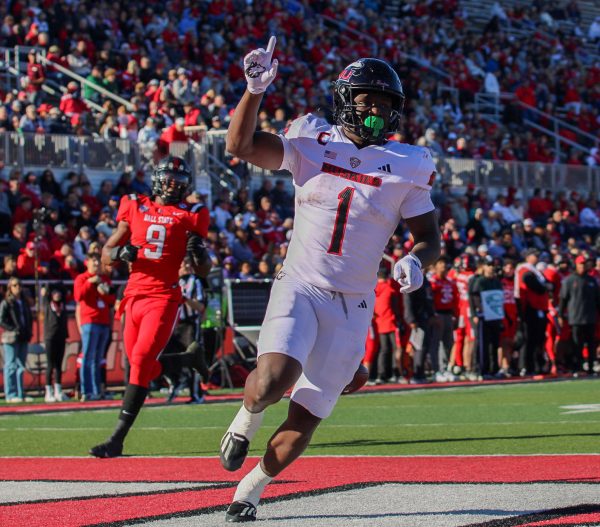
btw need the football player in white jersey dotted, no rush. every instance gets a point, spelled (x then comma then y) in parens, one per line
(352, 189)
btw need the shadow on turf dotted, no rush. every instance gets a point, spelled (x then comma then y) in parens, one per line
(375, 442)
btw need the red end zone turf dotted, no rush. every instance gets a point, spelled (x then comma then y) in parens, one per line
(308, 474)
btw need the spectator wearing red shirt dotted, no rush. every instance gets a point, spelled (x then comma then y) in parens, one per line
(60, 253)
(71, 103)
(26, 262)
(257, 241)
(537, 206)
(93, 297)
(55, 55)
(193, 115)
(24, 211)
(173, 134)
(445, 302)
(36, 77)
(43, 233)
(526, 94)
(386, 319)
(273, 231)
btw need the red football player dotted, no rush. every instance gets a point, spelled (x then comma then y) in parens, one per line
(153, 235)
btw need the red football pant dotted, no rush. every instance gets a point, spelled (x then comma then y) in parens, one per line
(464, 332)
(149, 322)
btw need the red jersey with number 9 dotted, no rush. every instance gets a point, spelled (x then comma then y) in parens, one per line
(160, 232)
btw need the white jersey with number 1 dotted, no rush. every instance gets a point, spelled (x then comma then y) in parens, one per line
(349, 201)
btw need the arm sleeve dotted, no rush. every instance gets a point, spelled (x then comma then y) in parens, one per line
(416, 202)
(564, 297)
(200, 220)
(3, 317)
(291, 155)
(124, 213)
(474, 298)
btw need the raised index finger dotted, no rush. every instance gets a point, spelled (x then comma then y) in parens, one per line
(271, 46)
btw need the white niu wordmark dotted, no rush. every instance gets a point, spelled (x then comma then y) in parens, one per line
(581, 408)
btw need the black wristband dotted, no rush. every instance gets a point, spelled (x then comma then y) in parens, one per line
(114, 253)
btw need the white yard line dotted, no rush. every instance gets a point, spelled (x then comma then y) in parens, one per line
(322, 426)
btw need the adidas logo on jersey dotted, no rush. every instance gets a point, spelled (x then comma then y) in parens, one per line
(362, 305)
(385, 168)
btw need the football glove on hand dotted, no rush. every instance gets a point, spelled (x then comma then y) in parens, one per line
(408, 273)
(196, 249)
(260, 71)
(126, 253)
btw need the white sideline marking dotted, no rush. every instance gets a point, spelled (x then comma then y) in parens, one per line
(581, 408)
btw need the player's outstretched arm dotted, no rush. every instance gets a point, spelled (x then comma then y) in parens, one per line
(426, 234)
(262, 149)
(408, 271)
(115, 242)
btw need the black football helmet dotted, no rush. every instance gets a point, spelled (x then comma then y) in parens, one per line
(171, 179)
(366, 75)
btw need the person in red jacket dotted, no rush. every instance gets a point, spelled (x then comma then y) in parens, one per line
(386, 318)
(26, 262)
(71, 103)
(94, 299)
(445, 303)
(174, 133)
(531, 286)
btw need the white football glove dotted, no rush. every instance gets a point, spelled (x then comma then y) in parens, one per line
(408, 273)
(260, 71)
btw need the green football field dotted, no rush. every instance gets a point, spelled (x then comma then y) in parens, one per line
(533, 418)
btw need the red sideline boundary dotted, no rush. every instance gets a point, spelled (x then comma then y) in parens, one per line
(310, 474)
(215, 397)
(42, 407)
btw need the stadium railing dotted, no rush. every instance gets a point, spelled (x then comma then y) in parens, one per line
(100, 158)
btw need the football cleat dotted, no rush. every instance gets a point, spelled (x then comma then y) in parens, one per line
(240, 511)
(234, 449)
(107, 450)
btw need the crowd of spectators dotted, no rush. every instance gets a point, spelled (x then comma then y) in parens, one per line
(178, 64)
(250, 232)
(179, 67)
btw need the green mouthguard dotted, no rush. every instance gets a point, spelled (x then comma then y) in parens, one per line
(375, 123)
